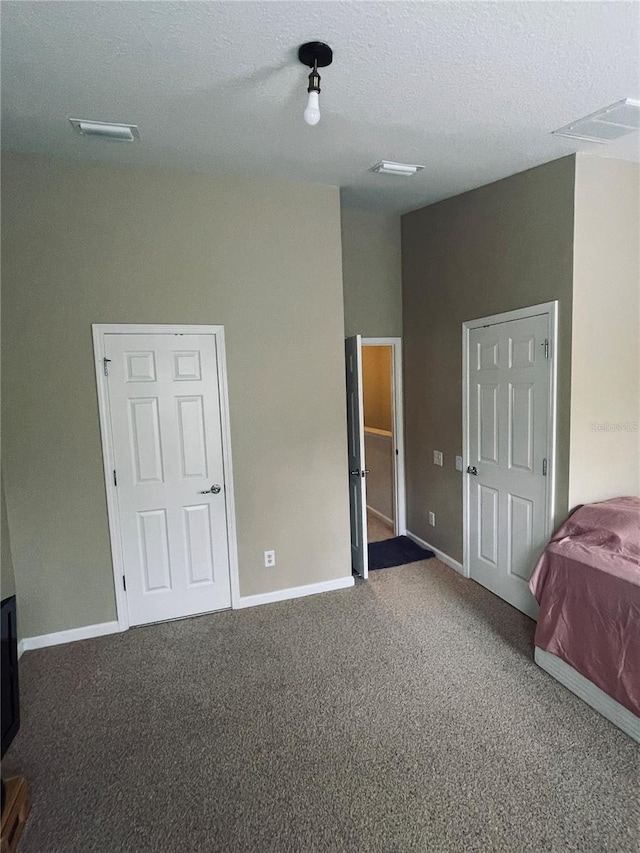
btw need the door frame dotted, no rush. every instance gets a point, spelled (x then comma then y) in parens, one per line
(99, 330)
(551, 310)
(397, 398)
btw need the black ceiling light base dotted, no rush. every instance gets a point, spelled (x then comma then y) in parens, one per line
(315, 53)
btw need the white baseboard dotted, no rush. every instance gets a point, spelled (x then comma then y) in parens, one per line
(444, 558)
(294, 592)
(84, 633)
(89, 631)
(380, 516)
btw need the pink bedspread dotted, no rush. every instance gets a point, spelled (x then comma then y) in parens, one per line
(587, 584)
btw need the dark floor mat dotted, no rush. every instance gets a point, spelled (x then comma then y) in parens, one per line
(396, 552)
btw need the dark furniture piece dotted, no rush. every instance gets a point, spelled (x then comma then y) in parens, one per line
(10, 704)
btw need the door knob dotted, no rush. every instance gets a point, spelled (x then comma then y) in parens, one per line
(472, 470)
(212, 491)
(355, 473)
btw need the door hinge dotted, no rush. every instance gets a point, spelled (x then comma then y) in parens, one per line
(115, 478)
(124, 583)
(546, 347)
(105, 365)
(544, 467)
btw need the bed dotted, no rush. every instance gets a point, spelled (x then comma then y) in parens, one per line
(587, 584)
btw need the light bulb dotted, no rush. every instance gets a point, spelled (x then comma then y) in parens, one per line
(312, 112)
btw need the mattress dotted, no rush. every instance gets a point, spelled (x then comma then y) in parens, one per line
(587, 584)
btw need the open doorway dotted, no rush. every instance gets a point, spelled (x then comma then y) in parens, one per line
(383, 412)
(375, 452)
(376, 444)
(379, 443)
(360, 470)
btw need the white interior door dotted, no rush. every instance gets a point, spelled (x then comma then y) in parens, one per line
(509, 379)
(357, 470)
(165, 420)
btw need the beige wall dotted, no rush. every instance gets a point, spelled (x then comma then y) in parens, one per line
(376, 387)
(497, 248)
(372, 272)
(85, 244)
(605, 373)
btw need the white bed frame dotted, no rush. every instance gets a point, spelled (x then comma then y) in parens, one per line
(563, 672)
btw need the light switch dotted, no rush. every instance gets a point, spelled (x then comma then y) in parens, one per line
(437, 457)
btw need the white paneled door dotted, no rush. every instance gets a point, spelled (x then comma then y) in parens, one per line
(165, 420)
(357, 470)
(509, 379)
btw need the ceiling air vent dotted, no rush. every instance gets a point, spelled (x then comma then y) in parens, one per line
(607, 124)
(387, 167)
(106, 130)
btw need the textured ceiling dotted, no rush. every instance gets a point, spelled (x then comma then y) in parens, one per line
(471, 90)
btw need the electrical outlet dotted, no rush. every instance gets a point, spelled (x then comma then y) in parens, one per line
(269, 559)
(437, 457)
(432, 519)
(458, 463)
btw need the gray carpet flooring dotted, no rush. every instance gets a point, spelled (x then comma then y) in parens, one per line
(404, 714)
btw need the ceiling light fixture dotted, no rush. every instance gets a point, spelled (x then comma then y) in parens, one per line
(605, 125)
(387, 167)
(106, 130)
(314, 54)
